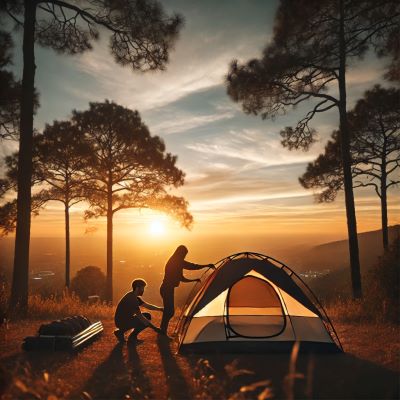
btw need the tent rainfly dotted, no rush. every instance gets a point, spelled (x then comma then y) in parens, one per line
(253, 302)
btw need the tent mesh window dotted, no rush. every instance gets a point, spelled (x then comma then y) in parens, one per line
(253, 309)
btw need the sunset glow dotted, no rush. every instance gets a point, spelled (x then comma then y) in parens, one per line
(240, 183)
(157, 228)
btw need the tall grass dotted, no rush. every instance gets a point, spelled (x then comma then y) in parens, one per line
(347, 310)
(66, 305)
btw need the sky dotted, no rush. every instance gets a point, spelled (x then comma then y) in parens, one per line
(240, 182)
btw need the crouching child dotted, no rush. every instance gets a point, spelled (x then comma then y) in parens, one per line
(128, 314)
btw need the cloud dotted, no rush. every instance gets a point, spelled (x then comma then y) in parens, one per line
(7, 148)
(189, 71)
(199, 61)
(182, 122)
(252, 146)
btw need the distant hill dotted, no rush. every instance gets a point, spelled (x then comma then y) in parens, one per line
(335, 256)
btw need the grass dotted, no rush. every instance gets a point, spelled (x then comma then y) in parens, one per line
(366, 334)
(66, 305)
(368, 309)
(153, 370)
(347, 310)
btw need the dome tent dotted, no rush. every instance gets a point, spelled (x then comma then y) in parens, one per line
(253, 302)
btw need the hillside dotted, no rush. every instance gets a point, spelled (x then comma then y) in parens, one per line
(337, 283)
(335, 255)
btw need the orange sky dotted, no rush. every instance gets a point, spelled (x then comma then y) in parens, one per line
(240, 182)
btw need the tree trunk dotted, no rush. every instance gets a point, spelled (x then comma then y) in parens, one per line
(67, 247)
(109, 287)
(385, 236)
(19, 289)
(346, 161)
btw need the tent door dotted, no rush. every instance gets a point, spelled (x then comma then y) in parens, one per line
(253, 309)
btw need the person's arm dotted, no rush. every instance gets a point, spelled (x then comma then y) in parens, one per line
(145, 321)
(150, 306)
(193, 267)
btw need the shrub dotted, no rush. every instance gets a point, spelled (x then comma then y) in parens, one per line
(89, 281)
(381, 293)
(4, 296)
(382, 288)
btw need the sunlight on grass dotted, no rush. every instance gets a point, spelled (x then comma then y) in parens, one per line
(66, 305)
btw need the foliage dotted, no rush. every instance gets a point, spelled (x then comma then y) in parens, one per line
(381, 301)
(8, 186)
(391, 49)
(127, 168)
(375, 148)
(59, 158)
(141, 33)
(375, 151)
(312, 44)
(126, 162)
(141, 36)
(8, 217)
(303, 59)
(10, 91)
(325, 172)
(89, 281)
(383, 286)
(8, 214)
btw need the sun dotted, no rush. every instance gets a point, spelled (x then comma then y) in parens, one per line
(157, 228)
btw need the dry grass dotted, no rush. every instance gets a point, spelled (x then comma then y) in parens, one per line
(153, 370)
(347, 310)
(378, 343)
(364, 310)
(67, 304)
(366, 335)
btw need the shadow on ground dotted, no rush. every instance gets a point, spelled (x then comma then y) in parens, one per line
(241, 376)
(119, 376)
(177, 386)
(321, 376)
(36, 361)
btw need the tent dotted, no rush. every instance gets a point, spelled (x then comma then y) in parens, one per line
(253, 302)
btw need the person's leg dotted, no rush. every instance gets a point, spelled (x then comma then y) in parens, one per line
(168, 302)
(123, 325)
(138, 326)
(119, 334)
(119, 329)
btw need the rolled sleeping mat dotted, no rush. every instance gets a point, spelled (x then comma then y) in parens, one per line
(69, 333)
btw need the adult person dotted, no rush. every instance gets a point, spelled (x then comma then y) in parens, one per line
(173, 276)
(128, 314)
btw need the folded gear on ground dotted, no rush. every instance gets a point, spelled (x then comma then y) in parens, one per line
(69, 333)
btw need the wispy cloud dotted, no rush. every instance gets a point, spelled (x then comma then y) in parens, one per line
(252, 146)
(200, 60)
(182, 122)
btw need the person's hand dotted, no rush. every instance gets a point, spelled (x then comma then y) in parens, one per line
(158, 330)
